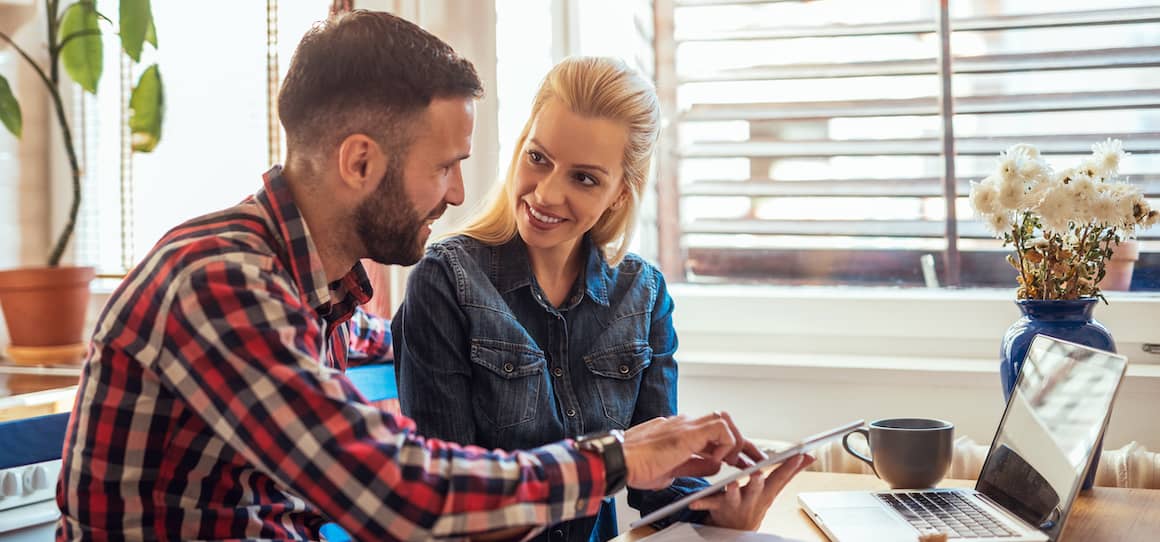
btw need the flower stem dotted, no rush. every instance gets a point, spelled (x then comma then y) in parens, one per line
(1049, 286)
(1079, 268)
(1019, 247)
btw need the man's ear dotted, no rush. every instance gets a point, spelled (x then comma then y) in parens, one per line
(361, 162)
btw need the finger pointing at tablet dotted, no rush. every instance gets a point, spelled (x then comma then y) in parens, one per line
(744, 453)
(750, 501)
(659, 450)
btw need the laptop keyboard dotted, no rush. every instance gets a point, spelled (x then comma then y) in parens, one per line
(946, 512)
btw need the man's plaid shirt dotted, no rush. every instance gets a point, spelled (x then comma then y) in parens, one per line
(213, 405)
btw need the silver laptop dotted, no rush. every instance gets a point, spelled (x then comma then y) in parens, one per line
(1054, 420)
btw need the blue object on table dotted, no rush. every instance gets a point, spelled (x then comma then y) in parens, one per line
(331, 532)
(376, 383)
(32, 440)
(1067, 319)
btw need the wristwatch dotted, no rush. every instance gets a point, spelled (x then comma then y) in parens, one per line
(610, 446)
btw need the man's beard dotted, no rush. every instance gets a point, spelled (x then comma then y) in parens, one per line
(388, 225)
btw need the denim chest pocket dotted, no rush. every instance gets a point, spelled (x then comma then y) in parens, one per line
(507, 381)
(617, 372)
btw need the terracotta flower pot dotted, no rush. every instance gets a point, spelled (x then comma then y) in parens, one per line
(1118, 270)
(45, 308)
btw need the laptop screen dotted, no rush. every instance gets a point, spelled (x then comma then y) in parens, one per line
(1055, 417)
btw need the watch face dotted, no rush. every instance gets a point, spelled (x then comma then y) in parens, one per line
(598, 440)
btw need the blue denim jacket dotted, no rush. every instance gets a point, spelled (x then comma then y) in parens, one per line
(483, 358)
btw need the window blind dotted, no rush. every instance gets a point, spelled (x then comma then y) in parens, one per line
(805, 138)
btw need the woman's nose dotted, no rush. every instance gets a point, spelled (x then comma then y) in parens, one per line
(549, 191)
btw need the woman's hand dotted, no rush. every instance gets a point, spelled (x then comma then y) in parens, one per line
(744, 507)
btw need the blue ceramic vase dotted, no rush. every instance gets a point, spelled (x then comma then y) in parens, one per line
(1070, 320)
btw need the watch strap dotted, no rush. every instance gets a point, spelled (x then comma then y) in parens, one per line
(610, 446)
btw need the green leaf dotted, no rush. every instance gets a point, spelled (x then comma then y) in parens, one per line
(148, 109)
(82, 56)
(9, 108)
(151, 33)
(136, 18)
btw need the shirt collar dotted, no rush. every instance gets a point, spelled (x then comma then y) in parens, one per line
(511, 269)
(598, 275)
(334, 301)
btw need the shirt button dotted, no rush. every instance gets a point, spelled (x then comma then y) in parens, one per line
(557, 535)
(624, 369)
(508, 367)
(571, 412)
(558, 372)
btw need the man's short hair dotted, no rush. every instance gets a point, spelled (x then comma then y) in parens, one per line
(367, 72)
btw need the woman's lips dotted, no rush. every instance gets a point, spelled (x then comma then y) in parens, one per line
(543, 221)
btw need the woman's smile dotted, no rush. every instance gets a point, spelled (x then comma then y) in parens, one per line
(541, 219)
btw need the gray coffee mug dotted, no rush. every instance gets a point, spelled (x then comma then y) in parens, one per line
(907, 453)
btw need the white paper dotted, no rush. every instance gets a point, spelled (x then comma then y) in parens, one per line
(689, 532)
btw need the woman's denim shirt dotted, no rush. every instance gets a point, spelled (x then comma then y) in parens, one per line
(483, 358)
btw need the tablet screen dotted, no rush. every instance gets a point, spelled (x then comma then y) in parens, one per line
(800, 447)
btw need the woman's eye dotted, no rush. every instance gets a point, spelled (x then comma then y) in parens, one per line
(535, 157)
(586, 179)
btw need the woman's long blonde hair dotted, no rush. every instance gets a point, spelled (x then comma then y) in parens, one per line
(595, 87)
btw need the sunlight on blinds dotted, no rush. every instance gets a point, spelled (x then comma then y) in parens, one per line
(807, 134)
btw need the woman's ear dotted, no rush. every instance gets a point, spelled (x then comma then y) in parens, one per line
(620, 200)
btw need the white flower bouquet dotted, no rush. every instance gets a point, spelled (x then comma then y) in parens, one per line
(1065, 224)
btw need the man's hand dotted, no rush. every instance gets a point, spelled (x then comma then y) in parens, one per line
(744, 507)
(661, 449)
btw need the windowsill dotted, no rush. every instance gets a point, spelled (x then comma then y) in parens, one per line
(854, 322)
(35, 391)
(103, 286)
(876, 293)
(860, 369)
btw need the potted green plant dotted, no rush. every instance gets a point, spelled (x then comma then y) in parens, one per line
(45, 306)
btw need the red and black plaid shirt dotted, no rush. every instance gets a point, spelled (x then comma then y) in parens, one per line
(213, 405)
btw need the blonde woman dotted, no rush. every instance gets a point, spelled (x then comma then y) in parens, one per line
(534, 323)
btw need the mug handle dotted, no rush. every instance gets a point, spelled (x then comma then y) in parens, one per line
(846, 445)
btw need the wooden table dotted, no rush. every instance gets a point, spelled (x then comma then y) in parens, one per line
(1100, 514)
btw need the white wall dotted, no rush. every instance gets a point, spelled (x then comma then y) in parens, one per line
(785, 402)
